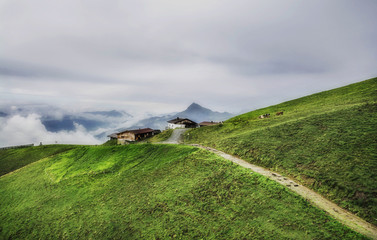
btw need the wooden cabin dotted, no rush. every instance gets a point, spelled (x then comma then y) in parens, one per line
(135, 135)
(181, 123)
(208, 123)
(113, 136)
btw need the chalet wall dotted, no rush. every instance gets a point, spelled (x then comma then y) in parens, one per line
(174, 126)
(126, 136)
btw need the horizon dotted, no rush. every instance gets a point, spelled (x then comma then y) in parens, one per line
(160, 56)
(152, 58)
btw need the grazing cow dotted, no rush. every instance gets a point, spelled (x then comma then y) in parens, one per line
(279, 113)
(267, 115)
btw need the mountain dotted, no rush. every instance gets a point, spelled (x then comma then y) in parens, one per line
(67, 123)
(198, 113)
(194, 112)
(326, 140)
(112, 113)
(3, 114)
(90, 120)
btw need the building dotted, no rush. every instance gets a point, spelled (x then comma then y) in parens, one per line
(181, 123)
(135, 135)
(112, 136)
(207, 123)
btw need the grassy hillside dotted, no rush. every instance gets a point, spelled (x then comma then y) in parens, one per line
(146, 191)
(12, 159)
(163, 136)
(328, 141)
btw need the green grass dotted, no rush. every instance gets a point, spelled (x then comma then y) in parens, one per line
(13, 159)
(111, 142)
(163, 136)
(146, 191)
(327, 141)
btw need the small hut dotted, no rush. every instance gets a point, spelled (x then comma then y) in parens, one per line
(208, 123)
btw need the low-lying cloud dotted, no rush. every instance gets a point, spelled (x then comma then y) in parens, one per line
(159, 56)
(19, 130)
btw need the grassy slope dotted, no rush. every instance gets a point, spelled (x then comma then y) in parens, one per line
(153, 192)
(163, 136)
(328, 141)
(12, 159)
(111, 142)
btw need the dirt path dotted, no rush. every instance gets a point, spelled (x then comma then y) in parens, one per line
(176, 136)
(343, 216)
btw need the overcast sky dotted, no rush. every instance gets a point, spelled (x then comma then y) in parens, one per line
(161, 55)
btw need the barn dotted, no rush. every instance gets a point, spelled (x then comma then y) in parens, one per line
(135, 135)
(181, 123)
(208, 123)
(113, 136)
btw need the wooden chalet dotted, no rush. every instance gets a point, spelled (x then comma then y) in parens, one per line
(112, 136)
(135, 135)
(208, 123)
(181, 123)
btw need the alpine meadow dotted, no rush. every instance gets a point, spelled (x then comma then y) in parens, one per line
(327, 141)
(148, 190)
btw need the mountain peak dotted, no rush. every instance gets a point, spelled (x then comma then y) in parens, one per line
(194, 106)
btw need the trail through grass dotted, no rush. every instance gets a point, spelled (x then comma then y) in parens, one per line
(327, 141)
(149, 191)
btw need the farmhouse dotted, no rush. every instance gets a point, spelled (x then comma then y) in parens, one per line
(207, 123)
(112, 136)
(181, 123)
(135, 135)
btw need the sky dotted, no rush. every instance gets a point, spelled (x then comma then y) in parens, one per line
(158, 56)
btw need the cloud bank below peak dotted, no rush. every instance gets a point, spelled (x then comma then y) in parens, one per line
(147, 53)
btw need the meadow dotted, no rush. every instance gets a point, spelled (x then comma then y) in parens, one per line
(145, 191)
(13, 159)
(163, 136)
(327, 141)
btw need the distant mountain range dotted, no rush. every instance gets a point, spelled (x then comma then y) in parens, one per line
(194, 112)
(90, 120)
(103, 123)
(112, 113)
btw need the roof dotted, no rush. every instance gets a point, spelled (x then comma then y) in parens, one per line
(180, 120)
(113, 135)
(138, 131)
(205, 123)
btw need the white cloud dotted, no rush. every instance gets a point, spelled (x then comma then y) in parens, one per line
(18, 130)
(139, 54)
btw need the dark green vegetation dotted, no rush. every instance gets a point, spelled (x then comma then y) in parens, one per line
(328, 141)
(163, 136)
(144, 191)
(111, 142)
(12, 159)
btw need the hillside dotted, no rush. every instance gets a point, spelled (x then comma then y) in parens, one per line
(327, 141)
(149, 191)
(13, 159)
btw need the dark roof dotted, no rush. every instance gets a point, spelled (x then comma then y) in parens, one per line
(138, 131)
(113, 135)
(205, 123)
(178, 120)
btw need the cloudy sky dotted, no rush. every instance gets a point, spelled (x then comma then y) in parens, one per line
(160, 55)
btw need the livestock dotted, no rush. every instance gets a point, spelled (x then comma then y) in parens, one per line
(279, 113)
(267, 115)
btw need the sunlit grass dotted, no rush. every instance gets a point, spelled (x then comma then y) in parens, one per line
(147, 191)
(327, 141)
